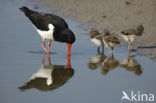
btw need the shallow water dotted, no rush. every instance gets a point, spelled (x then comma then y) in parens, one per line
(91, 78)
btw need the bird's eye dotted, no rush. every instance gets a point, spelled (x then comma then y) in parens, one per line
(69, 39)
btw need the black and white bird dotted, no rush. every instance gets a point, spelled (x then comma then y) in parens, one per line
(49, 76)
(50, 27)
(130, 35)
(96, 38)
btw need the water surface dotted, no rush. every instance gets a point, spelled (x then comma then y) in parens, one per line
(90, 78)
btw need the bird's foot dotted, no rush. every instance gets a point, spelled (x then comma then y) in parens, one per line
(133, 50)
(48, 52)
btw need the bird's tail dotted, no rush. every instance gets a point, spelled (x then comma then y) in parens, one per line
(26, 10)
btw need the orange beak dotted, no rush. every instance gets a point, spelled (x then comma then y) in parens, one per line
(69, 48)
(68, 62)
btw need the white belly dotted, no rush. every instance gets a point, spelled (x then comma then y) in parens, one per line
(46, 35)
(106, 44)
(126, 38)
(43, 73)
(96, 41)
(133, 37)
(129, 62)
(95, 59)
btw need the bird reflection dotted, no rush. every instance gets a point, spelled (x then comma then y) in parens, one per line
(101, 60)
(108, 64)
(95, 62)
(131, 64)
(49, 77)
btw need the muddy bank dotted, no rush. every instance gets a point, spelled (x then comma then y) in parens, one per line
(115, 15)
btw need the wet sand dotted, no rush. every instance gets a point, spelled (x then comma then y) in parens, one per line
(115, 15)
(92, 78)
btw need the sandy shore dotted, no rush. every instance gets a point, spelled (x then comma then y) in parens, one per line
(115, 15)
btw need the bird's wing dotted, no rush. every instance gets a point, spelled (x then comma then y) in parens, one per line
(112, 38)
(41, 21)
(99, 37)
(129, 32)
(58, 19)
(94, 32)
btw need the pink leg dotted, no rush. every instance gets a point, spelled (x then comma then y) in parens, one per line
(43, 58)
(49, 59)
(49, 43)
(43, 45)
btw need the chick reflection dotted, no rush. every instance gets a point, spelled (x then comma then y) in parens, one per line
(96, 61)
(131, 64)
(49, 77)
(108, 64)
(101, 60)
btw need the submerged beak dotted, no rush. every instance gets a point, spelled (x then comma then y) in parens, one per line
(69, 48)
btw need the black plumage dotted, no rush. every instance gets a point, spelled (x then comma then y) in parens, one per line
(50, 27)
(42, 20)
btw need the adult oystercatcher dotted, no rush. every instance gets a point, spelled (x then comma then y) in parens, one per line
(96, 38)
(109, 39)
(50, 27)
(49, 76)
(130, 34)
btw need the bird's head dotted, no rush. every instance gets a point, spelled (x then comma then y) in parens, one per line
(93, 32)
(68, 37)
(140, 28)
(105, 32)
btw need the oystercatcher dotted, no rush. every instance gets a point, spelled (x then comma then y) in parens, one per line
(50, 27)
(109, 39)
(130, 34)
(96, 38)
(49, 76)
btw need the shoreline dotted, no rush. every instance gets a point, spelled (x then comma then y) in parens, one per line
(116, 16)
